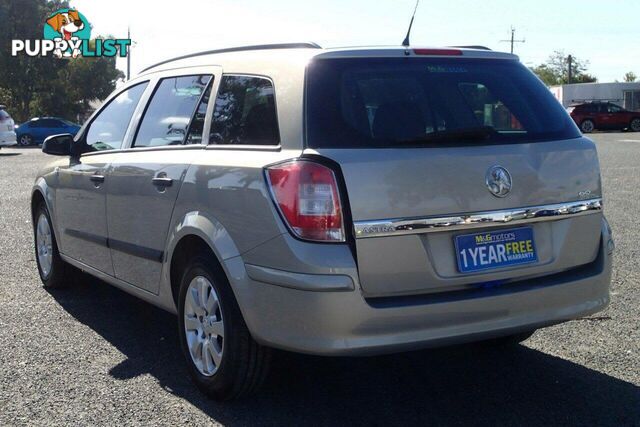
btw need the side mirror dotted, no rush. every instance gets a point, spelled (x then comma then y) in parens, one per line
(58, 145)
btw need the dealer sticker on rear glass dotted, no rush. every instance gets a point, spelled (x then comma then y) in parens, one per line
(484, 251)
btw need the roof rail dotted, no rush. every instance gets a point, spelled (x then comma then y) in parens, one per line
(239, 49)
(472, 47)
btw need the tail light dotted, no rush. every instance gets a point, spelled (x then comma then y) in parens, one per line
(307, 196)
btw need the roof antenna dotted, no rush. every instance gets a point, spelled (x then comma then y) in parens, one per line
(406, 39)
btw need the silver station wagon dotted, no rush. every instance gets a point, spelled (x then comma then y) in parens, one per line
(347, 201)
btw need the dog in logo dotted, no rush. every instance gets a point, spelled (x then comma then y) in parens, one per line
(66, 23)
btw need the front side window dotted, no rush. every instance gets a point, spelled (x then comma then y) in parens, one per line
(245, 112)
(173, 104)
(394, 102)
(107, 130)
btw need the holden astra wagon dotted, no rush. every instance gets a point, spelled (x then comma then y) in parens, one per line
(349, 201)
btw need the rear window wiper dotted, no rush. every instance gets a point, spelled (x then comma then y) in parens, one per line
(476, 133)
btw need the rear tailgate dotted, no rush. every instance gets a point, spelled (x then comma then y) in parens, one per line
(415, 138)
(428, 183)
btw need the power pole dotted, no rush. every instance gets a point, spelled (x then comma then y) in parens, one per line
(513, 40)
(128, 55)
(570, 69)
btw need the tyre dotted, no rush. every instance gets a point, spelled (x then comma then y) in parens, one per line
(223, 359)
(25, 140)
(587, 126)
(634, 126)
(54, 272)
(510, 340)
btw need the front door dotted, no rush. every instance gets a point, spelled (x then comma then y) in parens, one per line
(144, 181)
(81, 209)
(81, 192)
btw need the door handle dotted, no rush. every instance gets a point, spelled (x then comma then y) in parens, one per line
(162, 181)
(98, 179)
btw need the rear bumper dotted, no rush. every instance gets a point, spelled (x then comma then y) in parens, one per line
(7, 139)
(343, 322)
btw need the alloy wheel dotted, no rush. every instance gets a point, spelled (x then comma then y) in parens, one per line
(587, 126)
(204, 325)
(44, 245)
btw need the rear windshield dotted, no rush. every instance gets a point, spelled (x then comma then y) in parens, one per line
(394, 102)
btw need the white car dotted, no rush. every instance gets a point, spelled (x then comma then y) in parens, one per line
(7, 131)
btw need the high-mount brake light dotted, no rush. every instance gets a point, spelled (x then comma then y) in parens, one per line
(438, 52)
(307, 196)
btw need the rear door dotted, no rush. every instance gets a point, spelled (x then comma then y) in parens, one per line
(432, 149)
(144, 180)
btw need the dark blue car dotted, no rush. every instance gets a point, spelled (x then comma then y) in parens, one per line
(36, 130)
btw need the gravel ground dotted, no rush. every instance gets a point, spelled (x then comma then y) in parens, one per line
(94, 355)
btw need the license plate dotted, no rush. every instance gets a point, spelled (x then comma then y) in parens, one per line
(495, 249)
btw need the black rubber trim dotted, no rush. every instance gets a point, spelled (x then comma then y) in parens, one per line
(93, 238)
(136, 250)
(118, 245)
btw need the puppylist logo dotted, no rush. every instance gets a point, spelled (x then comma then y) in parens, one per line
(67, 34)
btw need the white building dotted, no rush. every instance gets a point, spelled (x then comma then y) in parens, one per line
(626, 95)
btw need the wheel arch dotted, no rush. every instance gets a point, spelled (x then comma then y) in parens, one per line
(197, 233)
(41, 193)
(36, 198)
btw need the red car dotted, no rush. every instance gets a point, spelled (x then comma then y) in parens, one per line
(604, 115)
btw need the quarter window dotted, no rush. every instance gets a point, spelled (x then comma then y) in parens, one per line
(169, 112)
(194, 136)
(245, 112)
(107, 130)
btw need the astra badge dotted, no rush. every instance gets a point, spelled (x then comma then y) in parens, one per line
(498, 181)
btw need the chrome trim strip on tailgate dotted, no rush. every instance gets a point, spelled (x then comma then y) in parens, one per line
(402, 226)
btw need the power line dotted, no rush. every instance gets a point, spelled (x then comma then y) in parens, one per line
(513, 40)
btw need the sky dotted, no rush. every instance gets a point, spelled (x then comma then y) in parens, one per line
(605, 33)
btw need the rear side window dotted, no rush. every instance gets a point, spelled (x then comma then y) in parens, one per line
(245, 112)
(50, 123)
(589, 108)
(389, 102)
(107, 130)
(173, 104)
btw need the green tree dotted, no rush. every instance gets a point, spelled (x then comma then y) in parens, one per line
(630, 77)
(36, 86)
(555, 71)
